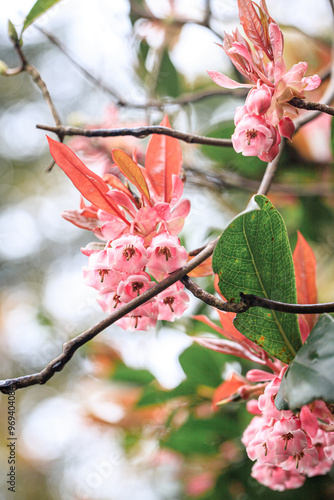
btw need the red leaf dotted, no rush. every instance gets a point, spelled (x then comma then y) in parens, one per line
(256, 29)
(227, 389)
(163, 159)
(131, 171)
(90, 185)
(305, 269)
(204, 269)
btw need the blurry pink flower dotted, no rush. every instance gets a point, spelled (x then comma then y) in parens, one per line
(287, 438)
(276, 478)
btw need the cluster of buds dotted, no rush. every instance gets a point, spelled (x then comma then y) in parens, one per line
(287, 446)
(267, 115)
(139, 224)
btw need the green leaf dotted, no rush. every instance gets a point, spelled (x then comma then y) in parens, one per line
(203, 436)
(153, 396)
(168, 78)
(37, 10)
(130, 375)
(311, 374)
(253, 256)
(12, 33)
(201, 366)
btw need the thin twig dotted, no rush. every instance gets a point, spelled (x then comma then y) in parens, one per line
(70, 347)
(228, 179)
(270, 172)
(310, 106)
(247, 301)
(140, 132)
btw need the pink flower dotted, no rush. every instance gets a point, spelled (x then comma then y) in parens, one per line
(166, 255)
(259, 100)
(255, 136)
(129, 254)
(172, 302)
(276, 478)
(133, 286)
(286, 439)
(302, 462)
(272, 86)
(137, 321)
(267, 401)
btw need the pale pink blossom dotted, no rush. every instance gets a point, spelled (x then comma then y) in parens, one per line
(166, 254)
(133, 286)
(255, 136)
(129, 254)
(267, 401)
(259, 100)
(276, 478)
(302, 462)
(172, 302)
(286, 438)
(272, 86)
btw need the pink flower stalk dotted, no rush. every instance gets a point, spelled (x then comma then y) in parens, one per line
(271, 87)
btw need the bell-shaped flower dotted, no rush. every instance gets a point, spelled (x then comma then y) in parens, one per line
(254, 136)
(286, 439)
(133, 286)
(129, 254)
(276, 478)
(172, 302)
(259, 99)
(166, 255)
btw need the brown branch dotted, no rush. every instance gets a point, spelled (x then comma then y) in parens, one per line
(228, 179)
(70, 347)
(139, 132)
(247, 301)
(310, 106)
(32, 71)
(270, 172)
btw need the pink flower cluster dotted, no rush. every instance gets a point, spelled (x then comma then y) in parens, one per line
(142, 248)
(287, 447)
(138, 220)
(266, 116)
(124, 269)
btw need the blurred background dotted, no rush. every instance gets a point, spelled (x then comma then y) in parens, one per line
(130, 416)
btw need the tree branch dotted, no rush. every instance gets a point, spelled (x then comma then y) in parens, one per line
(310, 106)
(247, 301)
(139, 132)
(270, 172)
(70, 347)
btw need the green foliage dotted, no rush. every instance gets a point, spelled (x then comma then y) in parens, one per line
(253, 256)
(203, 436)
(168, 79)
(37, 10)
(126, 374)
(12, 33)
(311, 374)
